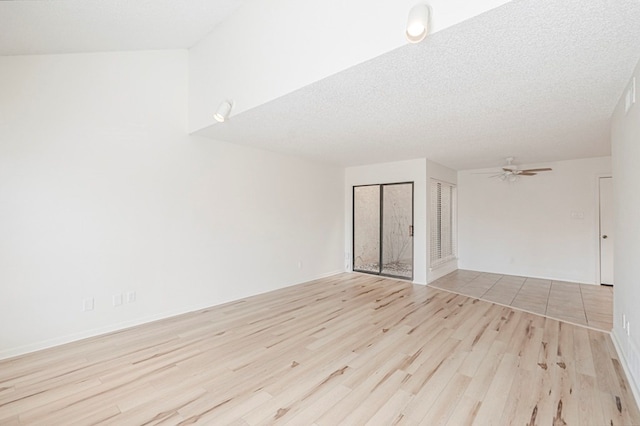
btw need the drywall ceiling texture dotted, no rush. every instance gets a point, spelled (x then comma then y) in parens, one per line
(269, 48)
(535, 80)
(71, 26)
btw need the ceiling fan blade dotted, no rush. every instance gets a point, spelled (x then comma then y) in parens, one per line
(527, 174)
(506, 169)
(546, 169)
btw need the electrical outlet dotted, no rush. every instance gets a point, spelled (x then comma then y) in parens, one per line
(299, 264)
(117, 299)
(87, 304)
(577, 215)
(131, 297)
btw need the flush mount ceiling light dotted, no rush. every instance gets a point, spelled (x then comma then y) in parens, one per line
(223, 111)
(417, 25)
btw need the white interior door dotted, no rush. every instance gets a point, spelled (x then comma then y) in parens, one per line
(606, 231)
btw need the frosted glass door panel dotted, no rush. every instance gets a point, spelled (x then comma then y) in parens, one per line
(397, 230)
(366, 228)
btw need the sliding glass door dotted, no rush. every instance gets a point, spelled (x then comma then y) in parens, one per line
(366, 228)
(383, 229)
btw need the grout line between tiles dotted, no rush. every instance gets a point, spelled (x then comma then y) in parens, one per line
(546, 300)
(587, 326)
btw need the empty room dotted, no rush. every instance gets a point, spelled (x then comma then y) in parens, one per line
(335, 213)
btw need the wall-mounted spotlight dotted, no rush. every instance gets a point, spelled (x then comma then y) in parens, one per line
(223, 111)
(418, 23)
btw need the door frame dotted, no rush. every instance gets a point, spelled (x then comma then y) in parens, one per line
(597, 225)
(380, 228)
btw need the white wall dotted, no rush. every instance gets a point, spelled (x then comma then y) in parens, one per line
(625, 137)
(269, 48)
(418, 171)
(526, 227)
(102, 192)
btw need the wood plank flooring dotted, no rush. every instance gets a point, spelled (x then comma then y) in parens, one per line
(351, 349)
(582, 304)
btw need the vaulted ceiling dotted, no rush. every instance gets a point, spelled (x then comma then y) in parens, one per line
(530, 79)
(72, 26)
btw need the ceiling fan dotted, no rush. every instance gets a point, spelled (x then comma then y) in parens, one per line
(511, 172)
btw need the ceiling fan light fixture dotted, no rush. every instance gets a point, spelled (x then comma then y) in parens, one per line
(511, 172)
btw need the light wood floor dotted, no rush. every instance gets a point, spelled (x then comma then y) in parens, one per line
(582, 304)
(350, 349)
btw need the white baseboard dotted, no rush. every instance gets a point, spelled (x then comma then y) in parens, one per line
(529, 275)
(70, 338)
(325, 275)
(442, 270)
(622, 356)
(61, 340)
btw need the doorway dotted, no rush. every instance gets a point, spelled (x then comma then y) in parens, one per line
(606, 230)
(383, 229)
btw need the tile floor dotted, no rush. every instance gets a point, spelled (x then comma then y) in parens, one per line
(581, 304)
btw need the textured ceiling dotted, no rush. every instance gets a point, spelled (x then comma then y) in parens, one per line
(69, 26)
(537, 80)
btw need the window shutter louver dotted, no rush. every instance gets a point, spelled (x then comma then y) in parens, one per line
(443, 222)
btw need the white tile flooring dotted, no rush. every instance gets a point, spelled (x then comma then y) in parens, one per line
(581, 304)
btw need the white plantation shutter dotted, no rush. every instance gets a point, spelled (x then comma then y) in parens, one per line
(443, 222)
